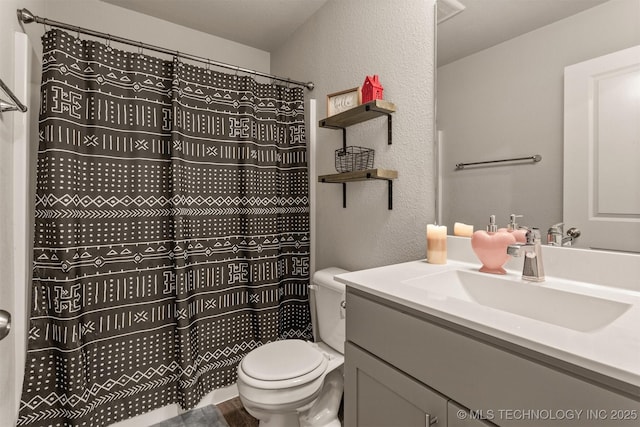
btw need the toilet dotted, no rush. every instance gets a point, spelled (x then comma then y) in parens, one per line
(296, 383)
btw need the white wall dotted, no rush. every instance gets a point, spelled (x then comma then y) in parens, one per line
(341, 44)
(507, 101)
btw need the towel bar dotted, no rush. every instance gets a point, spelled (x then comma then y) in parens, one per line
(535, 158)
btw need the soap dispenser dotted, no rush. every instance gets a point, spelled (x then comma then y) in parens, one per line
(491, 247)
(519, 233)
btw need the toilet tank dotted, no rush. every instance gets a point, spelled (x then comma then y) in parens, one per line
(330, 313)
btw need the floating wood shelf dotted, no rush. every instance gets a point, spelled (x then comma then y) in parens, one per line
(363, 175)
(352, 116)
(359, 114)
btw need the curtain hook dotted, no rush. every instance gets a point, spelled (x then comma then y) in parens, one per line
(208, 65)
(77, 32)
(140, 49)
(109, 41)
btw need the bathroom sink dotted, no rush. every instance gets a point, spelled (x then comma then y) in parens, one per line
(541, 302)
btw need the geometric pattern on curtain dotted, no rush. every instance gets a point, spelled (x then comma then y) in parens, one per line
(171, 235)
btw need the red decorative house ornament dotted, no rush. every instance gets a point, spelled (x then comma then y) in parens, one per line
(371, 89)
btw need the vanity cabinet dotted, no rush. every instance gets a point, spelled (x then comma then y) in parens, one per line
(402, 362)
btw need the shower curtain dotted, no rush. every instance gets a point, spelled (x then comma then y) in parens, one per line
(171, 236)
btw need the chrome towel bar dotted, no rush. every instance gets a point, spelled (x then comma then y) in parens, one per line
(535, 159)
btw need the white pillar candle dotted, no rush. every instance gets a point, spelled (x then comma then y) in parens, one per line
(436, 244)
(464, 230)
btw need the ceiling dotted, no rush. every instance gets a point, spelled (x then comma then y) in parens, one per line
(263, 24)
(267, 24)
(486, 23)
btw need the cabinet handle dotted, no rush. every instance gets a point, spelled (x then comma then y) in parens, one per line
(429, 420)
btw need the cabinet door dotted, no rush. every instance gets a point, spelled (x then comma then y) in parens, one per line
(378, 395)
(460, 417)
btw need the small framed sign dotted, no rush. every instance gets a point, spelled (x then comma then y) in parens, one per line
(344, 100)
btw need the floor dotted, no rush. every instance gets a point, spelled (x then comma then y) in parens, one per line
(207, 416)
(235, 414)
(229, 413)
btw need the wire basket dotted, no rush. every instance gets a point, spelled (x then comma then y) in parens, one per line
(354, 159)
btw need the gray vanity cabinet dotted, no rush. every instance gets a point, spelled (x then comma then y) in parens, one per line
(402, 366)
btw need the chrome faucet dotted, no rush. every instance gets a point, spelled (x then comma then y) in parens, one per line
(555, 235)
(532, 270)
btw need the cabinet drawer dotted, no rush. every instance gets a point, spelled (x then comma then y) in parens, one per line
(484, 378)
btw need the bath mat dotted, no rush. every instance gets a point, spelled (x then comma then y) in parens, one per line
(207, 416)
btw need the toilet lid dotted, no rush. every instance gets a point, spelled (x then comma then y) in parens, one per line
(281, 360)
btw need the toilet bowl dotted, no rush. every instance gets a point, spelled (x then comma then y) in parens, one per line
(296, 383)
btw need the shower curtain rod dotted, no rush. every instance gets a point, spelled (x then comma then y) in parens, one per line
(26, 17)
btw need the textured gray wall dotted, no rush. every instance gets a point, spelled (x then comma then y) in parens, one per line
(341, 44)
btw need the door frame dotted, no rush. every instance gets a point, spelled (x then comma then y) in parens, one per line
(22, 212)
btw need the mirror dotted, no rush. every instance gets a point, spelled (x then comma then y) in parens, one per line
(500, 94)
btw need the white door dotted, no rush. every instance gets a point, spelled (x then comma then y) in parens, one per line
(602, 150)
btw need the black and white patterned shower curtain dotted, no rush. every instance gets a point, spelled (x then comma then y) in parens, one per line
(171, 232)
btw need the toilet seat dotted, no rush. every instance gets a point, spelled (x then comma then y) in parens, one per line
(282, 364)
(281, 360)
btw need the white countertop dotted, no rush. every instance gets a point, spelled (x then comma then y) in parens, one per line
(612, 351)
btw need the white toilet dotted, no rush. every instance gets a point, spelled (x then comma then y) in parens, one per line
(292, 383)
